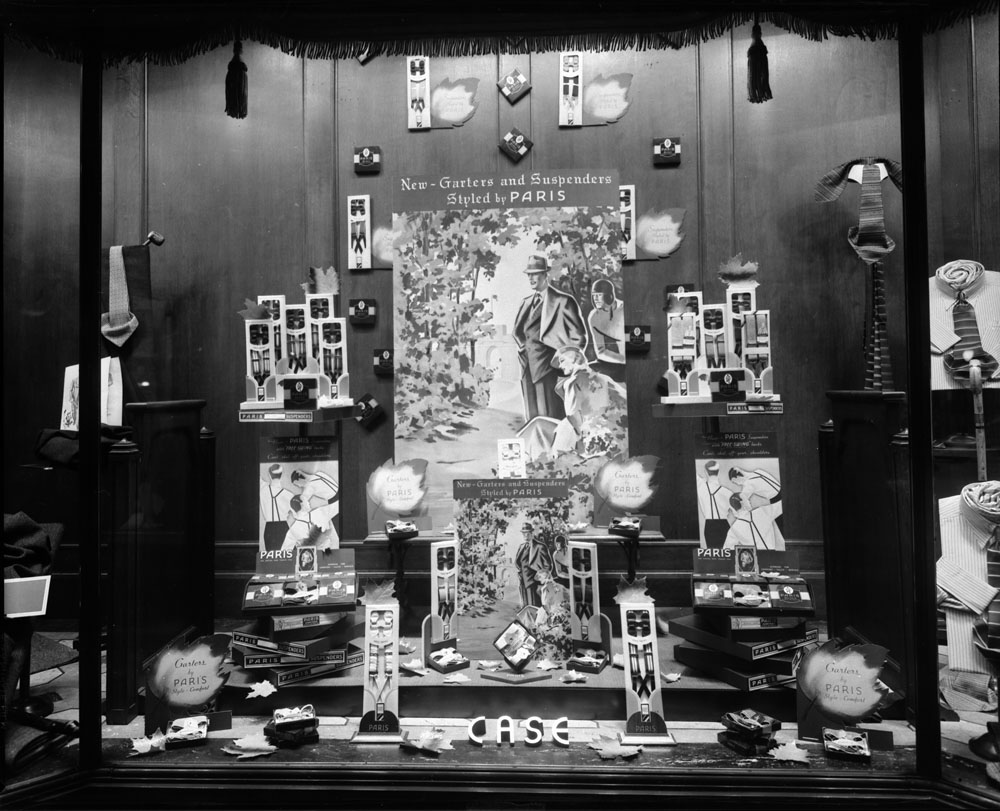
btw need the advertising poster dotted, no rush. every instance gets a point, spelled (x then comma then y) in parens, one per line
(509, 323)
(739, 491)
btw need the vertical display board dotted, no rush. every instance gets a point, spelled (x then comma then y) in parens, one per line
(505, 289)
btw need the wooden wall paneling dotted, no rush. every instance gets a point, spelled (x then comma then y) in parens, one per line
(834, 101)
(514, 115)
(987, 133)
(371, 109)
(933, 162)
(958, 176)
(230, 196)
(41, 222)
(319, 115)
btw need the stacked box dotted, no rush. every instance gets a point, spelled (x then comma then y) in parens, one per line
(751, 615)
(748, 732)
(292, 640)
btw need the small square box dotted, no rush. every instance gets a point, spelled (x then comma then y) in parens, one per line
(515, 144)
(367, 160)
(361, 311)
(382, 361)
(666, 151)
(514, 86)
(638, 338)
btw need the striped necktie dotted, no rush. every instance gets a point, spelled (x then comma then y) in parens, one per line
(963, 276)
(993, 610)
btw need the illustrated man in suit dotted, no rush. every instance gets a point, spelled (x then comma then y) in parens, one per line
(546, 321)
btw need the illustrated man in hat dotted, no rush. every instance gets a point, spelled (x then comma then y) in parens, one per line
(546, 321)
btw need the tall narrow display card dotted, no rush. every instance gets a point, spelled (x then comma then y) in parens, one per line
(299, 484)
(509, 323)
(738, 483)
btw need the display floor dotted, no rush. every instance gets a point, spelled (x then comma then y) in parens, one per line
(696, 739)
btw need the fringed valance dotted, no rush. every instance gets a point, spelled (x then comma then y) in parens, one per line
(171, 33)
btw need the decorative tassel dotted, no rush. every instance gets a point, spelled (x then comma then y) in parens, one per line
(758, 79)
(236, 84)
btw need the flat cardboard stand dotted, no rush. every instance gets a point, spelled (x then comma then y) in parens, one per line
(380, 709)
(590, 629)
(644, 724)
(439, 630)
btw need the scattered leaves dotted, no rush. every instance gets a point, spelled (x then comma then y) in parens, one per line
(456, 678)
(414, 666)
(261, 689)
(618, 660)
(431, 742)
(573, 677)
(405, 646)
(790, 752)
(670, 678)
(252, 746)
(634, 592)
(609, 748)
(546, 664)
(379, 593)
(736, 270)
(157, 742)
(253, 310)
(322, 280)
(493, 665)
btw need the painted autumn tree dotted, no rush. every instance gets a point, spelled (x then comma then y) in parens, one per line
(441, 257)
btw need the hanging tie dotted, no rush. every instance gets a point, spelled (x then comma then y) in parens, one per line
(963, 277)
(869, 238)
(118, 324)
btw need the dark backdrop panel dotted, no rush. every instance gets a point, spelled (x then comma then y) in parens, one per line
(41, 223)
(230, 197)
(833, 102)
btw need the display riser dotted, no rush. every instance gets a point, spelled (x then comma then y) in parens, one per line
(703, 702)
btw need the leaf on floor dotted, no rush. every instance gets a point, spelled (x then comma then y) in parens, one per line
(790, 752)
(414, 666)
(609, 748)
(456, 678)
(157, 742)
(546, 664)
(573, 677)
(261, 689)
(431, 742)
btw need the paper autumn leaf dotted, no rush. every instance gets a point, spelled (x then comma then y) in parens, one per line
(322, 280)
(790, 752)
(670, 678)
(454, 102)
(398, 488)
(573, 677)
(157, 742)
(252, 310)
(627, 484)
(618, 660)
(609, 748)
(659, 232)
(252, 746)
(414, 666)
(736, 270)
(493, 665)
(607, 98)
(546, 664)
(261, 689)
(634, 592)
(382, 240)
(456, 678)
(431, 742)
(379, 593)
(405, 646)
(844, 682)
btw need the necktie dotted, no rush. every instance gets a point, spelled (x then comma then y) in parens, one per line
(118, 324)
(963, 276)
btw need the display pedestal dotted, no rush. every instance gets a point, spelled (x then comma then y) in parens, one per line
(864, 468)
